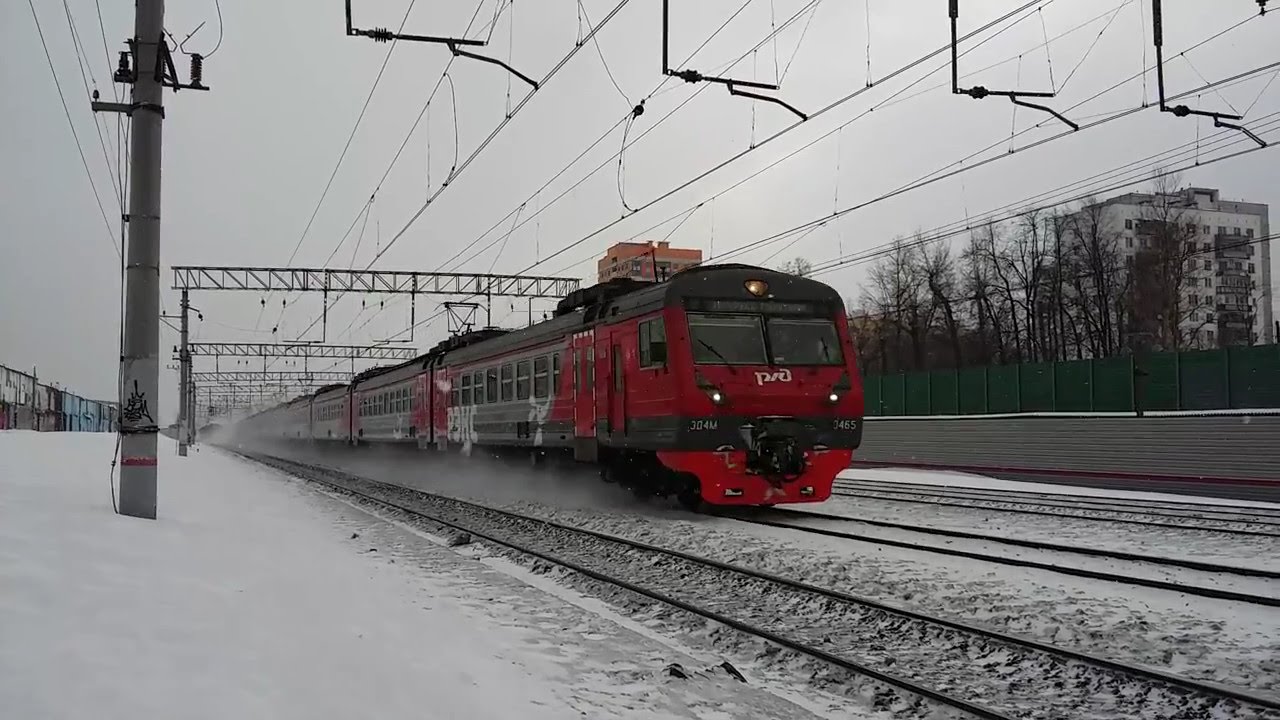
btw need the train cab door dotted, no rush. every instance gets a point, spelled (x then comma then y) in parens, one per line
(610, 395)
(584, 397)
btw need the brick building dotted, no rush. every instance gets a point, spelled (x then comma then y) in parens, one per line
(637, 260)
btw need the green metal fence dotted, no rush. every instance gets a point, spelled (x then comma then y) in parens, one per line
(1244, 377)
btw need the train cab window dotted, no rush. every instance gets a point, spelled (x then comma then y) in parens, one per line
(508, 383)
(522, 380)
(455, 393)
(807, 341)
(555, 373)
(540, 377)
(653, 343)
(466, 389)
(477, 387)
(724, 339)
(491, 384)
(576, 378)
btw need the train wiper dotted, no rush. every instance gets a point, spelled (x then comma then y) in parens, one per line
(718, 354)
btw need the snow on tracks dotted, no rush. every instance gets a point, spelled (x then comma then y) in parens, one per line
(1012, 675)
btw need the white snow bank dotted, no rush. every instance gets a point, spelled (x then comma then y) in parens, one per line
(252, 597)
(958, 479)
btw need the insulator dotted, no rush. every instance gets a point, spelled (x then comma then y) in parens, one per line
(123, 73)
(197, 69)
(380, 34)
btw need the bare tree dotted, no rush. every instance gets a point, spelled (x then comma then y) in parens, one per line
(939, 270)
(797, 266)
(1099, 281)
(898, 295)
(1167, 311)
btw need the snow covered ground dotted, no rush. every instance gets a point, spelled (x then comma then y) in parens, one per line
(971, 480)
(256, 597)
(1187, 543)
(1228, 642)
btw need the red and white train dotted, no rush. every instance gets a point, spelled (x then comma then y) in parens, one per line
(727, 384)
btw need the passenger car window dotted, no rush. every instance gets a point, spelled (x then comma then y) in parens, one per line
(540, 377)
(508, 383)
(522, 380)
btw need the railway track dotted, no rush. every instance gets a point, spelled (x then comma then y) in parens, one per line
(1187, 517)
(929, 660)
(763, 517)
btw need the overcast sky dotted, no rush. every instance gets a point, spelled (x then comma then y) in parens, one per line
(245, 164)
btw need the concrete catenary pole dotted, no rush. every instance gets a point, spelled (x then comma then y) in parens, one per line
(139, 364)
(184, 376)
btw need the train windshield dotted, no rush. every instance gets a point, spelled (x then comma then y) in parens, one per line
(726, 339)
(794, 341)
(720, 339)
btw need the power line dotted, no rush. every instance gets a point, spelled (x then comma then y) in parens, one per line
(731, 160)
(378, 187)
(935, 176)
(342, 156)
(840, 213)
(1043, 201)
(609, 161)
(458, 169)
(78, 47)
(476, 153)
(67, 112)
(762, 42)
(1137, 177)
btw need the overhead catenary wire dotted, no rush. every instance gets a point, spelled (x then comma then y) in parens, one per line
(887, 77)
(1134, 177)
(460, 168)
(942, 173)
(925, 181)
(351, 136)
(803, 33)
(89, 78)
(79, 148)
(780, 133)
(934, 176)
(444, 75)
(496, 131)
(609, 161)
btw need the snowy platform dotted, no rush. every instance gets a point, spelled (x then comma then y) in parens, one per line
(256, 597)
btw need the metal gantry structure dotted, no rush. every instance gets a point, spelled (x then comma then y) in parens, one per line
(245, 383)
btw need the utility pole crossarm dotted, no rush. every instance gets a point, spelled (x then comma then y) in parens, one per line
(389, 282)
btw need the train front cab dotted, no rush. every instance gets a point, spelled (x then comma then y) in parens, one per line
(770, 406)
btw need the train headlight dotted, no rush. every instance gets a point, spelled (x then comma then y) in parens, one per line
(716, 397)
(757, 287)
(833, 398)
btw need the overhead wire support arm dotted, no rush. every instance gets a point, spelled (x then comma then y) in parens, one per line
(978, 92)
(453, 47)
(1219, 118)
(454, 44)
(693, 76)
